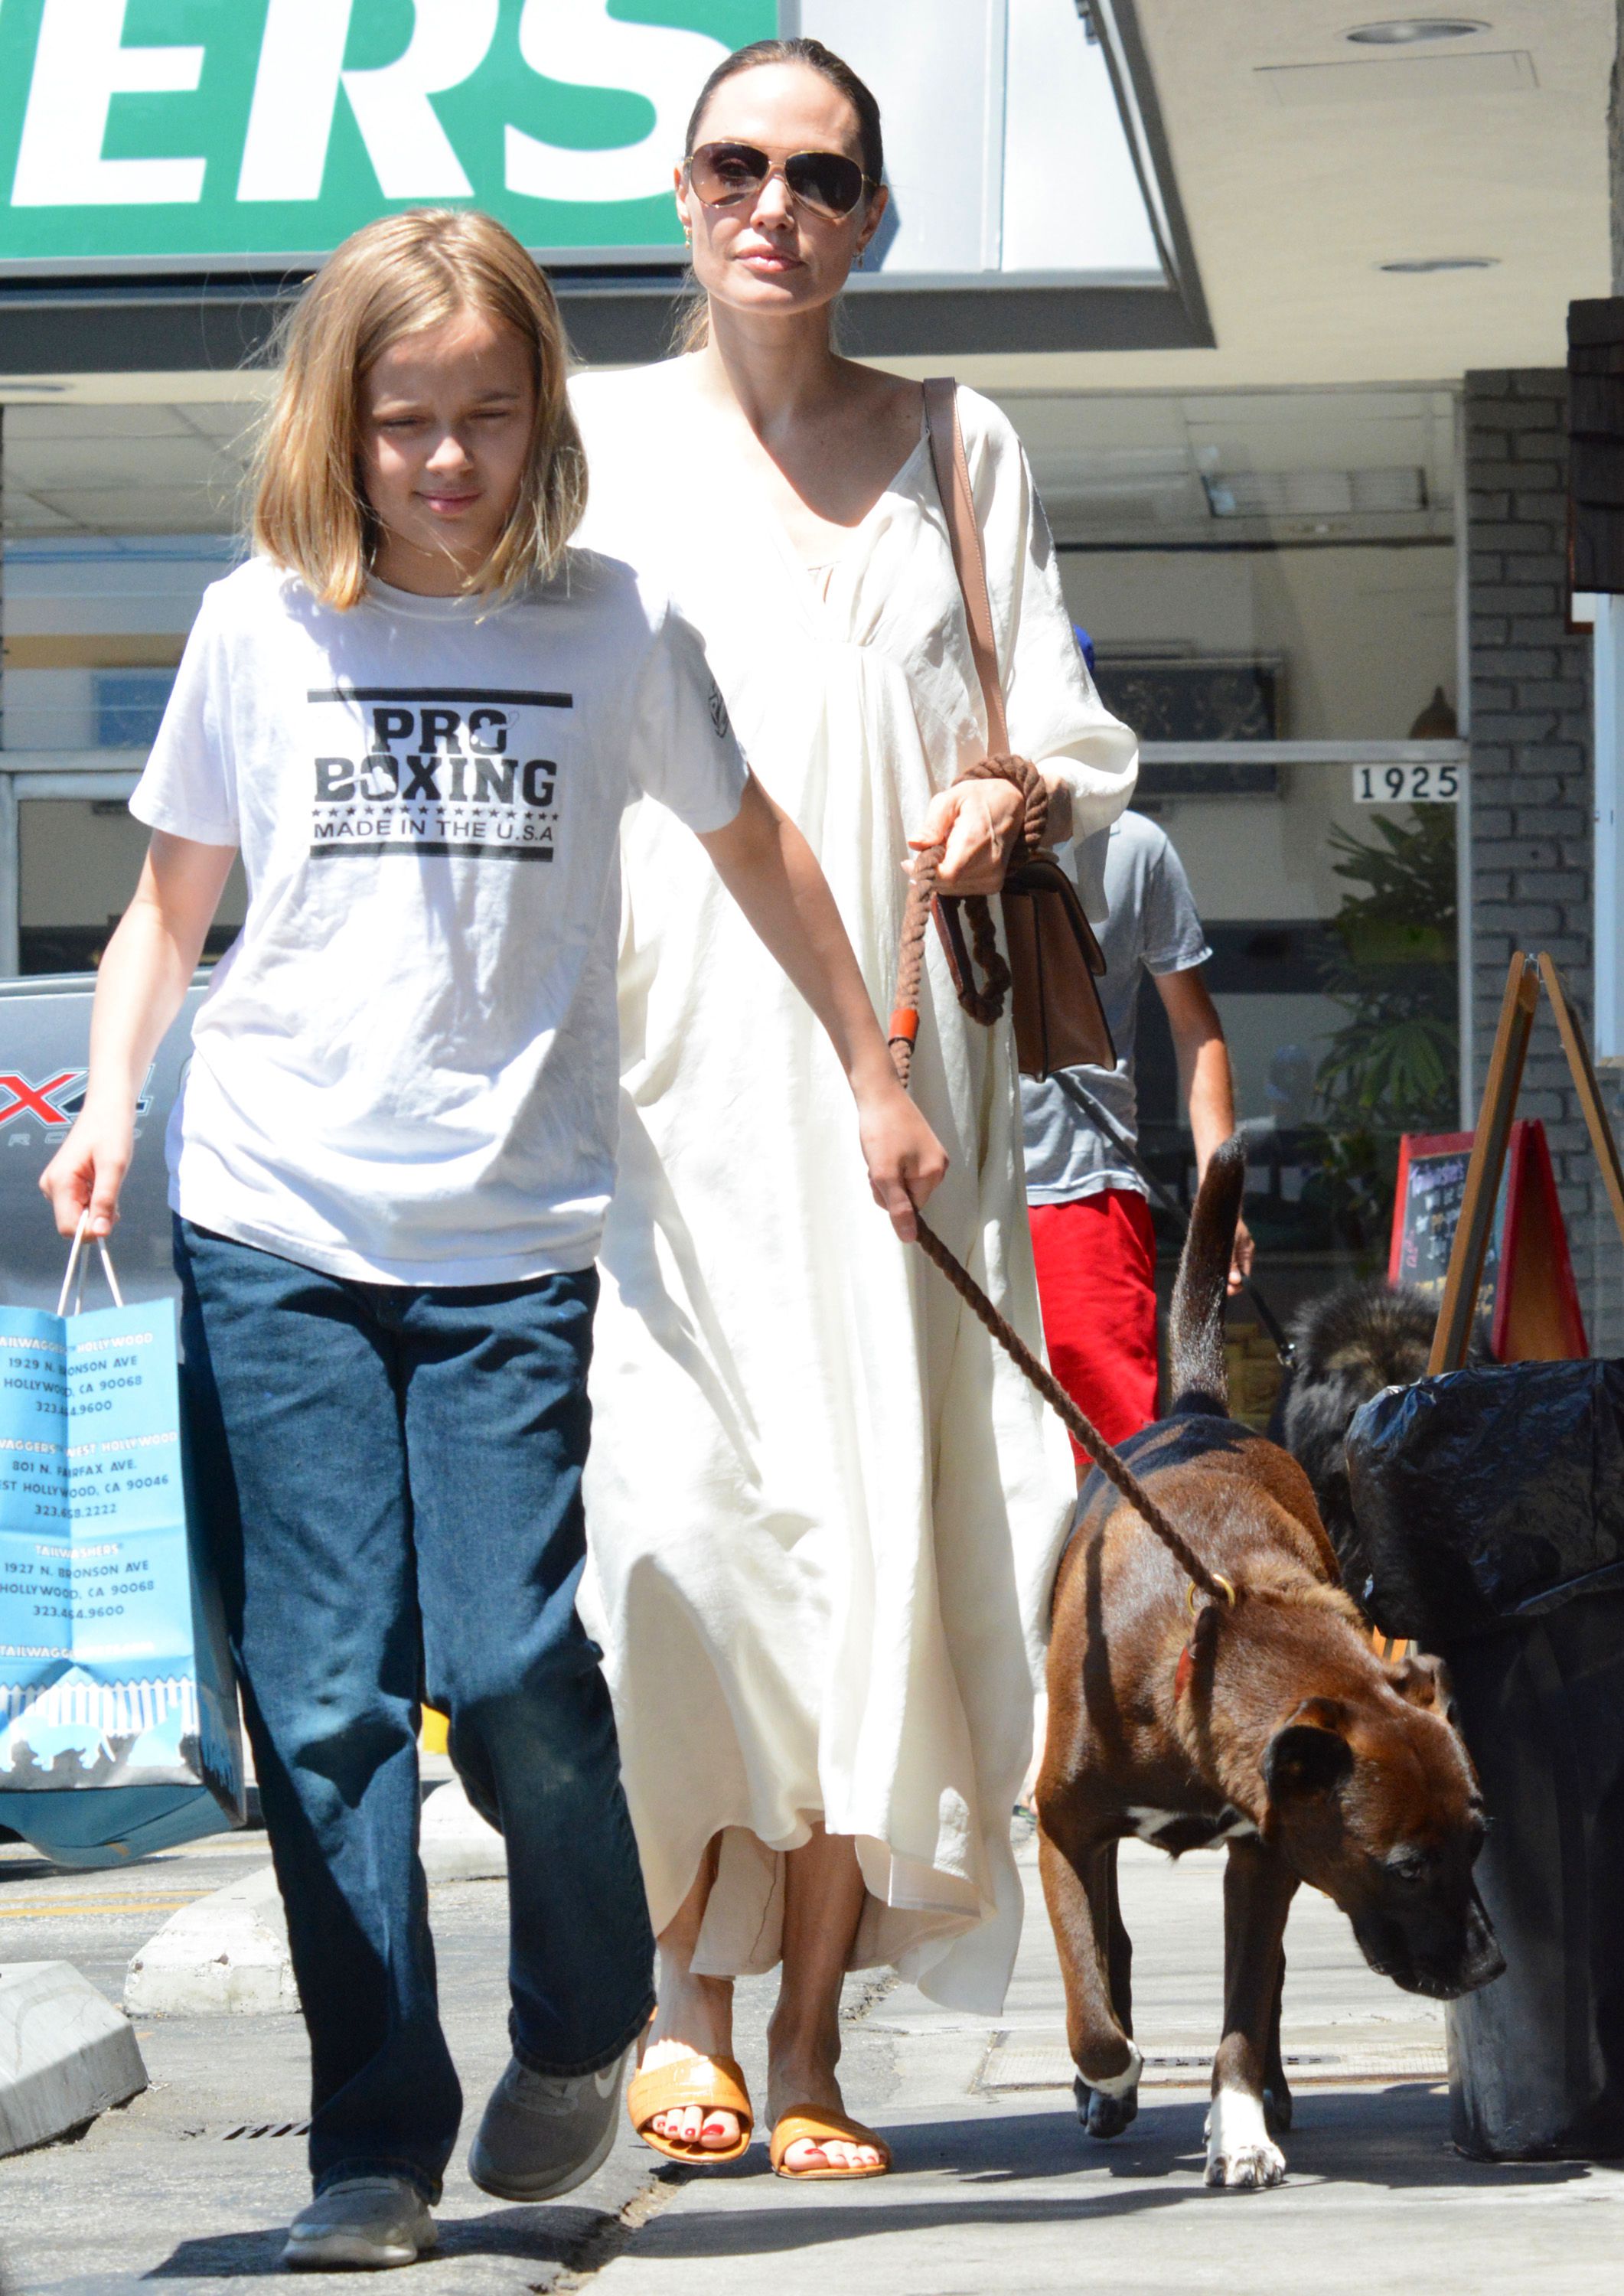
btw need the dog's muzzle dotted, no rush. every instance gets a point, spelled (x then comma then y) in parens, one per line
(1432, 1954)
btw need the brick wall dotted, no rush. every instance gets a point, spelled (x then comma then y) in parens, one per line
(1532, 788)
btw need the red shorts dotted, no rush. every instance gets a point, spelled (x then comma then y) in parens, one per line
(1096, 1281)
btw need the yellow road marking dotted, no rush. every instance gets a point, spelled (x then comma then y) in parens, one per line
(96, 1906)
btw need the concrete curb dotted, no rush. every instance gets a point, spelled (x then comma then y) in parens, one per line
(455, 1844)
(66, 2054)
(225, 1956)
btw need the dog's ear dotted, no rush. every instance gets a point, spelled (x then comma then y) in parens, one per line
(1424, 1682)
(1310, 1756)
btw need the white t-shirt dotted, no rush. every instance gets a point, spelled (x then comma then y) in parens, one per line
(406, 1069)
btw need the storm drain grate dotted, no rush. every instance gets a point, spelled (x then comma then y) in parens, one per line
(1020, 2065)
(265, 2129)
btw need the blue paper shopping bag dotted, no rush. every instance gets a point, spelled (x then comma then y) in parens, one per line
(118, 1729)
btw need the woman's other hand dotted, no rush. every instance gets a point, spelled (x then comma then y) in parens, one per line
(907, 1163)
(87, 1171)
(981, 824)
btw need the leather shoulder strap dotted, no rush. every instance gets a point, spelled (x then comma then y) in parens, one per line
(958, 506)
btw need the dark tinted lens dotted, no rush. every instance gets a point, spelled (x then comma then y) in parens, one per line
(722, 173)
(825, 179)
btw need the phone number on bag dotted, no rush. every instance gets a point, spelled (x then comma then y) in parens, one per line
(93, 1609)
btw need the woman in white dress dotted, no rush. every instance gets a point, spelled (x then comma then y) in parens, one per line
(824, 1511)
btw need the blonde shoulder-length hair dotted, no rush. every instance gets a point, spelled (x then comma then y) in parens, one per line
(396, 277)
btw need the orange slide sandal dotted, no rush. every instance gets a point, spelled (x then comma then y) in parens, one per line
(816, 2124)
(713, 2084)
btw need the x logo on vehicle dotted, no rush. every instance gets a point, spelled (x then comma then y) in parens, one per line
(31, 1099)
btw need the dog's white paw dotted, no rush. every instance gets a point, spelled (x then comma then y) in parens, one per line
(1242, 2156)
(1122, 2084)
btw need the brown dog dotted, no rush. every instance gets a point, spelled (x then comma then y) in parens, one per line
(1267, 1724)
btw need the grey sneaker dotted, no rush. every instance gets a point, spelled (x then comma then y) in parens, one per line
(367, 2223)
(544, 2134)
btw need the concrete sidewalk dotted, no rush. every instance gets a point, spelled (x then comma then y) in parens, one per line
(996, 2189)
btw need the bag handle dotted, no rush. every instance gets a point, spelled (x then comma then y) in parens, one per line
(970, 564)
(965, 535)
(73, 1262)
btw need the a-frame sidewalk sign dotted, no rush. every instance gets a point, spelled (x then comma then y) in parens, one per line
(1535, 1307)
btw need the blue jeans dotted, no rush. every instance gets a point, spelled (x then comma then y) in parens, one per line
(389, 1482)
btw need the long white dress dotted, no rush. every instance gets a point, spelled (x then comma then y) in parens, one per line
(824, 1513)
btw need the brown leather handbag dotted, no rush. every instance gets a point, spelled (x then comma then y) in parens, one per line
(1055, 959)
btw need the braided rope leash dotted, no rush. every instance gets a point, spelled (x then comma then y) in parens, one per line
(985, 1002)
(902, 1034)
(985, 1005)
(1024, 775)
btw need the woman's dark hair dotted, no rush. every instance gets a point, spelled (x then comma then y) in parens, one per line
(693, 317)
(828, 66)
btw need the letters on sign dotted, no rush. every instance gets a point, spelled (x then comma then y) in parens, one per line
(159, 131)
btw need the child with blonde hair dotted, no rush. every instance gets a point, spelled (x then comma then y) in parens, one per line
(419, 716)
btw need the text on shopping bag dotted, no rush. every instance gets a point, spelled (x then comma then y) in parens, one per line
(95, 1603)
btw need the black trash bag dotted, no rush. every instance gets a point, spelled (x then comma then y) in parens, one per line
(1536, 2059)
(1492, 1505)
(1489, 1494)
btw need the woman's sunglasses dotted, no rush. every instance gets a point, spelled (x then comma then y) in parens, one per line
(721, 174)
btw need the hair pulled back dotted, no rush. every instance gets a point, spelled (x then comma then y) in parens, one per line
(693, 324)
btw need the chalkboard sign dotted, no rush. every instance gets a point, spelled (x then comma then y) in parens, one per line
(1427, 1209)
(1527, 1297)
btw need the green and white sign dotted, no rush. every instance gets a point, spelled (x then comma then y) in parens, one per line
(183, 134)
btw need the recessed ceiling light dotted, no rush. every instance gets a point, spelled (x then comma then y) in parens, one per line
(1441, 263)
(1403, 32)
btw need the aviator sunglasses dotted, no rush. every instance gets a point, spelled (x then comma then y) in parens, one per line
(721, 174)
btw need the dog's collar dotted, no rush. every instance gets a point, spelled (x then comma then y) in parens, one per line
(1185, 1668)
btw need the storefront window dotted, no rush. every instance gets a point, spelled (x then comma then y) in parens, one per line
(129, 706)
(1272, 572)
(1277, 573)
(116, 518)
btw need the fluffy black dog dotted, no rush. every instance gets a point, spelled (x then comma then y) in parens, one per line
(1350, 1345)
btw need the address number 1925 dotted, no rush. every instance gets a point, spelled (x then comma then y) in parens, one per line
(1407, 784)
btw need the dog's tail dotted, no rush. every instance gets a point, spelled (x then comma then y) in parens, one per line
(1195, 1326)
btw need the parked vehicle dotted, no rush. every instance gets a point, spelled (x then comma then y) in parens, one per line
(45, 1051)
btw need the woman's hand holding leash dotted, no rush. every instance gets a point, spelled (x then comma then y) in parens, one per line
(907, 1163)
(986, 821)
(981, 824)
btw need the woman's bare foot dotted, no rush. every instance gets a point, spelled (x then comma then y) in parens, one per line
(789, 2087)
(694, 2018)
(823, 1899)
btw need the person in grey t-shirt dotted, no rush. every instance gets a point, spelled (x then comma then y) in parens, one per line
(1091, 1223)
